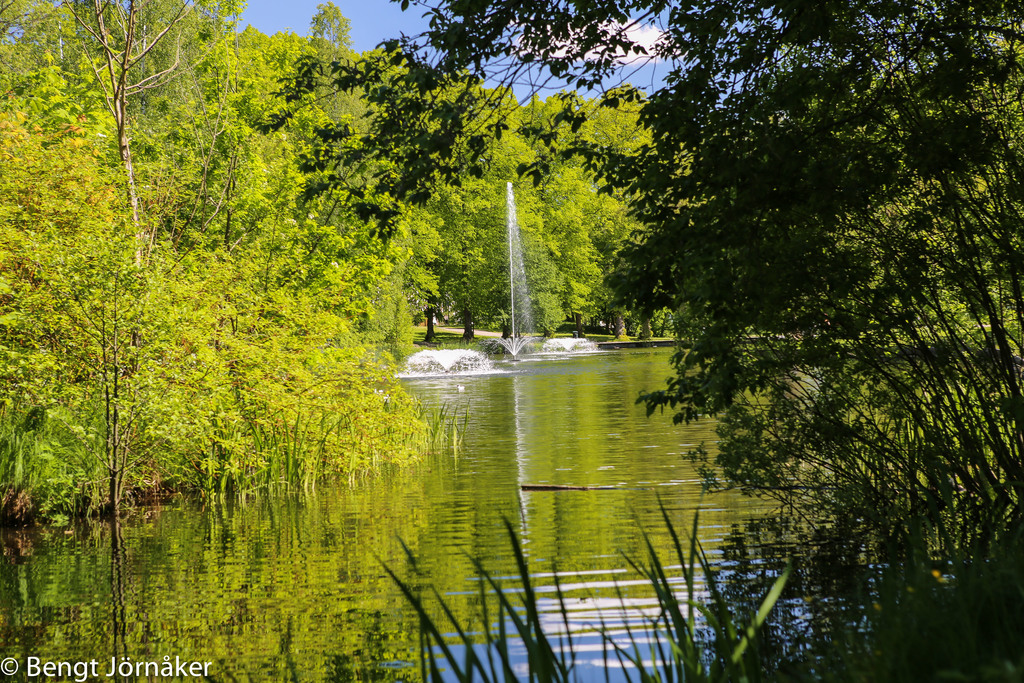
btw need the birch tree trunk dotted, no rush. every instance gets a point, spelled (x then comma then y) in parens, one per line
(113, 27)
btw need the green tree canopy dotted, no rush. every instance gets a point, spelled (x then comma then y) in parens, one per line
(829, 194)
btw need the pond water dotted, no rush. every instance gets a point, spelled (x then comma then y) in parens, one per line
(293, 587)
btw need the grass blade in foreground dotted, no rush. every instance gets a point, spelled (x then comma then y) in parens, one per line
(678, 652)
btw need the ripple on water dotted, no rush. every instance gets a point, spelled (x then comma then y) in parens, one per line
(266, 585)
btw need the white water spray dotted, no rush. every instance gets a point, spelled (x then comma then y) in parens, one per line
(568, 345)
(521, 320)
(447, 362)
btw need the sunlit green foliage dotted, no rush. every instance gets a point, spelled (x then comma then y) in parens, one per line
(830, 196)
(201, 286)
(456, 172)
(217, 347)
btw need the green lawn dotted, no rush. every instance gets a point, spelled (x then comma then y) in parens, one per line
(454, 339)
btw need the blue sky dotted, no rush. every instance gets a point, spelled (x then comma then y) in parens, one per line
(372, 20)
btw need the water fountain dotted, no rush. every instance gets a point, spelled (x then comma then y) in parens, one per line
(568, 345)
(448, 362)
(522, 320)
(458, 361)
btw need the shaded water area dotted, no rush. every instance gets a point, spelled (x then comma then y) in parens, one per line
(291, 587)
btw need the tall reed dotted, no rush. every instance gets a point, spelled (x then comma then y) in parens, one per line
(955, 616)
(679, 650)
(299, 448)
(446, 427)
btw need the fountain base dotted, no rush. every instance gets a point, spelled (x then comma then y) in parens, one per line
(513, 346)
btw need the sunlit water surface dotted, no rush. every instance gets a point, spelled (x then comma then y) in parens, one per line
(292, 588)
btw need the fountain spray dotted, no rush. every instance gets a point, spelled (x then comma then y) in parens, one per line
(510, 220)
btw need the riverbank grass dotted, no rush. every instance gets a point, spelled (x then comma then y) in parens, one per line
(46, 472)
(958, 618)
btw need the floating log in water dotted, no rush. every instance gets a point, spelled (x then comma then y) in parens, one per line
(561, 487)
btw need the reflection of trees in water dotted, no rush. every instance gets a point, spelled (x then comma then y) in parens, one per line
(822, 598)
(261, 591)
(381, 655)
(120, 578)
(279, 545)
(17, 545)
(266, 585)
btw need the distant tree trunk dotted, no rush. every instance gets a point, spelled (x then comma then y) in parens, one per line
(619, 325)
(506, 331)
(429, 312)
(663, 322)
(578, 318)
(467, 322)
(645, 327)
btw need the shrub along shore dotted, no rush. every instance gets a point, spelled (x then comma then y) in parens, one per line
(136, 359)
(53, 471)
